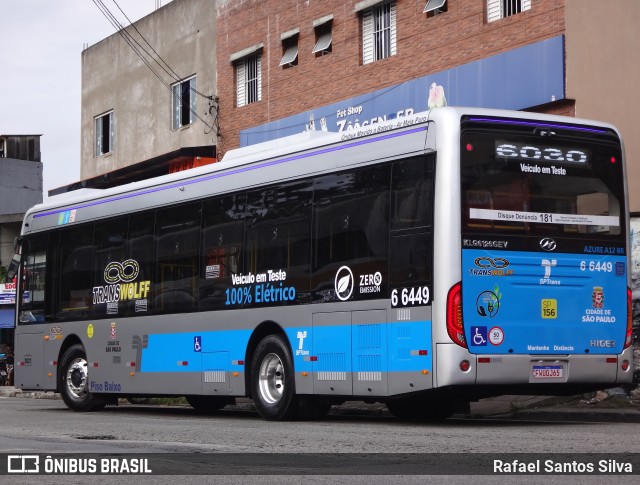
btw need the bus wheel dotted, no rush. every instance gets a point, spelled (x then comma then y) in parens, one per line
(272, 380)
(208, 404)
(73, 381)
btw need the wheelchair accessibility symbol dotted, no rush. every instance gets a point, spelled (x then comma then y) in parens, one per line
(479, 336)
(197, 344)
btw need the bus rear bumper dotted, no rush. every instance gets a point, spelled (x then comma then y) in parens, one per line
(530, 369)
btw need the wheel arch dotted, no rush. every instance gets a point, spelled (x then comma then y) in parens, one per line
(268, 327)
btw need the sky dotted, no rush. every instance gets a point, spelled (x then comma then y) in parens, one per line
(41, 42)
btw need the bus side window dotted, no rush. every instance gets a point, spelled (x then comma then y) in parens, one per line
(412, 193)
(75, 279)
(412, 221)
(177, 246)
(222, 248)
(351, 227)
(141, 249)
(278, 236)
(34, 272)
(108, 271)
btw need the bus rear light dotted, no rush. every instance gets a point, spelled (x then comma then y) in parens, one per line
(612, 360)
(629, 336)
(484, 360)
(625, 365)
(455, 326)
(465, 365)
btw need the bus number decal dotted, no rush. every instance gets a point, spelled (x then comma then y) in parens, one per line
(410, 296)
(599, 266)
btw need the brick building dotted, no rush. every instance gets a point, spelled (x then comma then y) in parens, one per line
(264, 69)
(286, 65)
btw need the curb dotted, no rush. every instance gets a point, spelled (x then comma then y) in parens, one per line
(578, 415)
(13, 392)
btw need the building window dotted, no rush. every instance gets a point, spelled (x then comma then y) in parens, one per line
(249, 80)
(435, 7)
(498, 9)
(324, 36)
(290, 51)
(183, 103)
(104, 133)
(379, 32)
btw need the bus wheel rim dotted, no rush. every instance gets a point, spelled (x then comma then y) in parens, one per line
(271, 379)
(76, 380)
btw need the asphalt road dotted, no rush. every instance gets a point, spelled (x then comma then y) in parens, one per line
(46, 426)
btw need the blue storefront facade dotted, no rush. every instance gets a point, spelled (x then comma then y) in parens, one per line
(521, 78)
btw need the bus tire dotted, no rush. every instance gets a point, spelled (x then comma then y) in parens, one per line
(73, 381)
(208, 404)
(272, 380)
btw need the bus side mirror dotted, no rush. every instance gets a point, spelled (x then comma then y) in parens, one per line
(14, 265)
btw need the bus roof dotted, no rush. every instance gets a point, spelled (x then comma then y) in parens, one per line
(302, 142)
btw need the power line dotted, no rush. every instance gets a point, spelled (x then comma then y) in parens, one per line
(170, 70)
(137, 48)
(173, 73)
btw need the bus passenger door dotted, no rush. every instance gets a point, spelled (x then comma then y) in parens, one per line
(332, 351)
(28, 367)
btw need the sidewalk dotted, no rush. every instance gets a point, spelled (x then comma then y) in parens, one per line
(602, 408)
(9, 391)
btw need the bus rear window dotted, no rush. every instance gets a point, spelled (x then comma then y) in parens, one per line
(523, 179)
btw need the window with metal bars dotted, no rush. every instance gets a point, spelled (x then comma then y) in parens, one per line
(379, 32)
(249, 80)
(498, 9)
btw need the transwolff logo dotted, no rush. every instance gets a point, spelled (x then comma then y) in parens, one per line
(548, 244)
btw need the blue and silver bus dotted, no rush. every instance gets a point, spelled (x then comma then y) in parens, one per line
(423, 262)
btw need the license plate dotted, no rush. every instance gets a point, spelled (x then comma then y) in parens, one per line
(547, 371)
